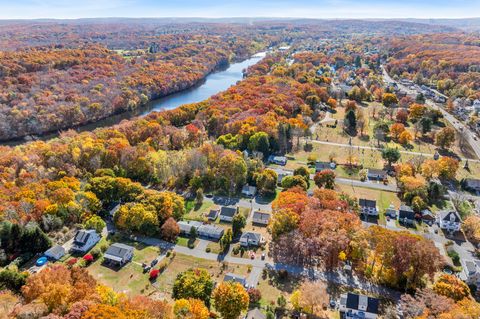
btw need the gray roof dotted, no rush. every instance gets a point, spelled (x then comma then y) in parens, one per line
(357, 302)
(249, 189)
(375, 171)
(118, 250)
(472, 182)
(213, 214)
(255, 314)
(449, 215)
(211, 230)
(228, 211)
(81, 237)
(55, 250)
(251, 236)
(236, 278)
(186, 225)
(367, 203)
(261, 217)
(470, 267)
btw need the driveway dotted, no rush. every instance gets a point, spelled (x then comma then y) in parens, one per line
(254, 276)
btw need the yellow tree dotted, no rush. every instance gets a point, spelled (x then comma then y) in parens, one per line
(405, 138)
(190, 309)
(231, 299)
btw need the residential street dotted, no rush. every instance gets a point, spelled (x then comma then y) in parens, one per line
(459, 126)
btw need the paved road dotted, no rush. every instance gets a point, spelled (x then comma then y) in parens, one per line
(367, 184)
(337, 277)
(459, 126)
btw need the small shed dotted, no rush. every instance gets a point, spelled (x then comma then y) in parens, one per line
(56, 252)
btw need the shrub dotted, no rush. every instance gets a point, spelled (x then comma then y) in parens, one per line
(96, 253)
(72, 262)
(208, 249)
(88, 258)
(154, 274)
(254, 295)
(235, 250)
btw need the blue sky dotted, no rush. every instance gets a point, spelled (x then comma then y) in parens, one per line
(26, 9)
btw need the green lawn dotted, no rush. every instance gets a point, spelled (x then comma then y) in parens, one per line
(195, 212)
(180, 263)
(129, 279)
(183, 241)
(383, 198)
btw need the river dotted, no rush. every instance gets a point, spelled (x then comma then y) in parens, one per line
(212, 84)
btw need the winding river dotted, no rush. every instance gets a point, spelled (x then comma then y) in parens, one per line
(212, 84)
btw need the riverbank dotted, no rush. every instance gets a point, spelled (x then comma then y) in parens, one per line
(218, 80)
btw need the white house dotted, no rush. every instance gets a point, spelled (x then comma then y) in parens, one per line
(279, 160)
(55, 252)
(251, 239)
(260, 218)
(470, 272)
(353, 306)
(235, 278)
(84, 240)
(449, 221)
(210, 231)
(368, 207)
(227, 213)
(249, 191)
(118, 254)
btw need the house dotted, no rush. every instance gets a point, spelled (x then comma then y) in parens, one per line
(354, 306)
(281, 174)
(213, 214)
(260, 218)
(118, 254)
(368, 207)
(55, 252)
(255, 314)
(187, 225)
(391, 211)
(449, 221)
(84, 240)
(472, 184)
(320, 166)
(428, 217)
(376, 174)
(279, 160)
(227, 213)
(235, 278)
(251, 239)
(210, 231)
(249, 191)
(470, 272)
(406, 215)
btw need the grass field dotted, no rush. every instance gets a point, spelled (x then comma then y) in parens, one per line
(181, 263)
(195, 212)
(129, 279)
(384, 199)
(337, 134)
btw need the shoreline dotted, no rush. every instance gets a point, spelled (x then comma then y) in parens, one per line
(117, 117)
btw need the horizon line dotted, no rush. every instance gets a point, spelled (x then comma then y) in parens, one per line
(243, 17)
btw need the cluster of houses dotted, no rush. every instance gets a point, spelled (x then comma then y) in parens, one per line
(116, 255)
(212, 231)
(447, 220)
(463, 108)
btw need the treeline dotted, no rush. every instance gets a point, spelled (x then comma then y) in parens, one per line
(50, 88)
(69, 179)
(448, 62)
